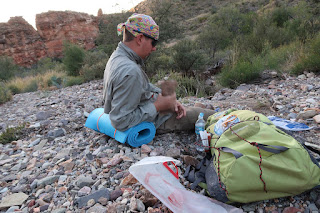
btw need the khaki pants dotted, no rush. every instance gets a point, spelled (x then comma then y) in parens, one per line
(185, 123)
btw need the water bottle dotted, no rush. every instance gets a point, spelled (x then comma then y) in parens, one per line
(199, 126)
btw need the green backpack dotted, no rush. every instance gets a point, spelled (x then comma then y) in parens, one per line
(254, 160)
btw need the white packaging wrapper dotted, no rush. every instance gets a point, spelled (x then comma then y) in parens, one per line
(163, 182)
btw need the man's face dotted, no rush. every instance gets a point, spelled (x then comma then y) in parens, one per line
(148, 48)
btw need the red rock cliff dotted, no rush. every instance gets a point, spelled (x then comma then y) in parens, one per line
(57, 27)
(26, 46)
(19, 40)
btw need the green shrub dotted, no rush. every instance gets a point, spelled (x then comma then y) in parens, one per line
(8, 68)
(278, 58)
(243, 71)
(108, 38)
(55, 81)
(214, 38)
(5, 94)
(186, 86)
(187, 57)
(73, 58)
(72, 80)
(11, 134)
(14, 89)
(310, 60)
(158, 61)
(45, 64)
(31, 86)
(163, 13)
(280, 16)
(94, 65)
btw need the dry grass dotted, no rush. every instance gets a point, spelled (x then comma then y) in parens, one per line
(42, 80)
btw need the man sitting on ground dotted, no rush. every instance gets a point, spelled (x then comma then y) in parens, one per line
(129, 97)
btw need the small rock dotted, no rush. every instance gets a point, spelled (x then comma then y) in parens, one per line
(84, 191)
(103, 201)
(114, 162)
(145, 149)
(313, 207)
(97, 208)
(43, 115)
(189, 160)
(115, 194)
(291, 210)
(129, 180)
(173, 152)
(137, 205)
(82, 201)
(317, 119)
(60, 210)
(307, 114)
(91, 202)
(16, 199)
(47, 181)
(84, 181)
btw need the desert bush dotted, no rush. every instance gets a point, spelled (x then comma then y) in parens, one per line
(162, 11)
(186, 86)
(158, 61)
(243, 71)
(280, 58)
(280, 16)
(31, 86)
(310, 59)
(11, 134)
(73, 58)
(8, 68)
(32, 83)
(94, 65)
(304, 23)
(55, 81)
(14, 89)
(72, 80)
(46, 64)
(108, 38)
(5, 94)
(189, 86)
(236, 22)
(187, 57)
(214, 38)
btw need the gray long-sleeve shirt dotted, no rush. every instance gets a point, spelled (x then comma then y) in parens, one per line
(127, 92)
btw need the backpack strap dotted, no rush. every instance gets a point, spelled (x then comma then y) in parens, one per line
(272, 148)
(235, 153)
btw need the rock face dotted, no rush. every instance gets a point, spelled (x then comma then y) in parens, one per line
(19, 40)
(57, 27)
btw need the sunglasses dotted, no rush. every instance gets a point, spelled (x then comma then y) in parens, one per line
(153, 43)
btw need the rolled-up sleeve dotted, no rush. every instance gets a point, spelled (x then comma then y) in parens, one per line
(127, 108)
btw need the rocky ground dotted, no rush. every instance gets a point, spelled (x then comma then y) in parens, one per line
(58, 165)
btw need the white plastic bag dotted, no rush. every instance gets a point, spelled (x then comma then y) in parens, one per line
(163, 182)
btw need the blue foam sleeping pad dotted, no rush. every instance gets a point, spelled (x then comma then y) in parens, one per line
(136, 136)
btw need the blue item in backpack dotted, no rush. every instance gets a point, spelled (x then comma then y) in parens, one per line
(288, 125)
(136, 136)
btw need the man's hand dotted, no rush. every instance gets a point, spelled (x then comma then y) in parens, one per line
(180, 110)
(166, 103)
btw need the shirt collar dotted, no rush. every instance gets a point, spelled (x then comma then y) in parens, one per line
(132, 55)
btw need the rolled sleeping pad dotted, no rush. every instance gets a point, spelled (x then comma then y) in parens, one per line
(136, 136)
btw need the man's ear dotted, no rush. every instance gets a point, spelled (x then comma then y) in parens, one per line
(139, 39)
